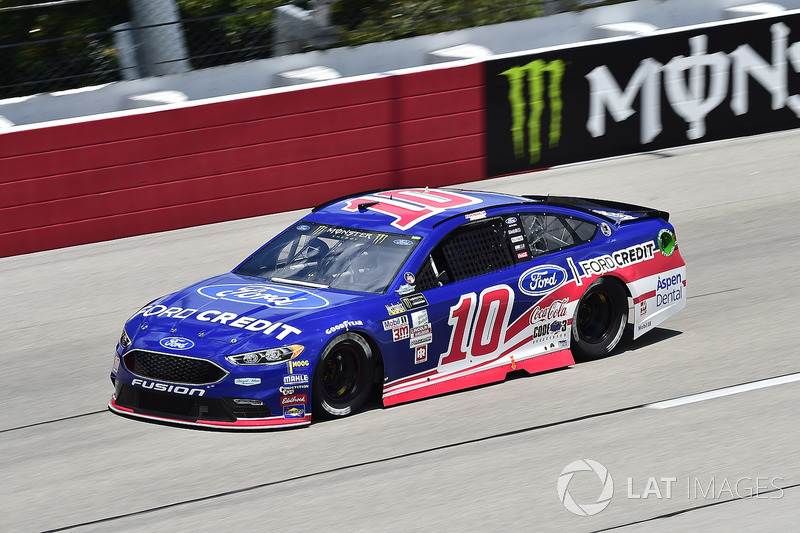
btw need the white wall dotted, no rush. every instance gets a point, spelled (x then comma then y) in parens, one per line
(258, 75)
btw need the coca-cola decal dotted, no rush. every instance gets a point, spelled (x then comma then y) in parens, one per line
(556, 310)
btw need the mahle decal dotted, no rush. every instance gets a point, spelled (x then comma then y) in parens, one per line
(530, 112)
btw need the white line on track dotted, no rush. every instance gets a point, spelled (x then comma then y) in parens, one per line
(727, 391)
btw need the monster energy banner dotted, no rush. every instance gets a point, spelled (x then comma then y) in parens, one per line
(705, 83)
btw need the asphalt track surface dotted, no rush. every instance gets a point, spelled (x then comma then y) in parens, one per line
(485, 458)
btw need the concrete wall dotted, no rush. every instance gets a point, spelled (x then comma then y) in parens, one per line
(259, 75)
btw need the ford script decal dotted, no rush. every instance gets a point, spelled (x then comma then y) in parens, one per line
(542, 280)
(274, 296)
(176, 343)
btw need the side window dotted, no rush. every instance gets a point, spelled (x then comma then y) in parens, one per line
(473, 249)
(548, 233)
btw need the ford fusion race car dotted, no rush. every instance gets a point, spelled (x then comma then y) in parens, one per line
(406, 293)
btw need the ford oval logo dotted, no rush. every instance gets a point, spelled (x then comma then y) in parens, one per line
(268, 295)
(403, 242)
(176, 343)
(511, 220)
(542, 280)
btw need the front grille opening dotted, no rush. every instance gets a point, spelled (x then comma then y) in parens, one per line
(245, 410)
(187, 408)
(173, 368)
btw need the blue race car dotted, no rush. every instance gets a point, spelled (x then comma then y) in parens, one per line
(406, 294)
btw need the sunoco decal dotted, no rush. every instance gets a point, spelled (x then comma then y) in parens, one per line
(294, 411)
(542, 280)
(268, 295)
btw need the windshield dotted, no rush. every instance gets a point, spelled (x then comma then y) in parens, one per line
(331, 256)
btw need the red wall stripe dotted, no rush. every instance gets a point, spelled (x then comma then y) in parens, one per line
(108, 178)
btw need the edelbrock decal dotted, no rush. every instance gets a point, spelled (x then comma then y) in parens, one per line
(176, 343)
(543, 279)
(266, 294)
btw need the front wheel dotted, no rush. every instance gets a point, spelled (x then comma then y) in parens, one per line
(343, 377)
(599, 320)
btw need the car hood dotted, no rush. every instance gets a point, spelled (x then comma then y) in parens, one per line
(234, 309)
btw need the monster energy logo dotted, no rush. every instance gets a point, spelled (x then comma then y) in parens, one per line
(534, 72)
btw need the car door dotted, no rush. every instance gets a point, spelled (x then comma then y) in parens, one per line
(494, 288)
(466, 286)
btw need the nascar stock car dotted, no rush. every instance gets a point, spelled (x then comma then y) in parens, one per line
(402, 293)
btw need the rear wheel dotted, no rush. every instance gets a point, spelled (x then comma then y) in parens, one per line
(599, 320)
(343, 377)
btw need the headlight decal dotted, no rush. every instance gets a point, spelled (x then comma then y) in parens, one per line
(272, 356)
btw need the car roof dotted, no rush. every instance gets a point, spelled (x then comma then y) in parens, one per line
(415, 211)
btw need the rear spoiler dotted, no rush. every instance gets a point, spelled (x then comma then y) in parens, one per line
(617, 213)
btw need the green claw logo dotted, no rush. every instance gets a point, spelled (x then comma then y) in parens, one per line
(531, 111)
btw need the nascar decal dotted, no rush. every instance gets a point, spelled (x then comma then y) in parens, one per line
(268, 295)
(214, 316)
(410, 206)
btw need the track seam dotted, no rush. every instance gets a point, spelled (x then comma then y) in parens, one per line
(53, 421)
(344, 468)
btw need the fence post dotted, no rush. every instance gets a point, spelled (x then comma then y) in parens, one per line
(158, 34)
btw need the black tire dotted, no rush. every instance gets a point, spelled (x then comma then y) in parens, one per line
(599, 320)
(343, 376)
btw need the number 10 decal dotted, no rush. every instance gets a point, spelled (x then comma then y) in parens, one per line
(477, 333)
